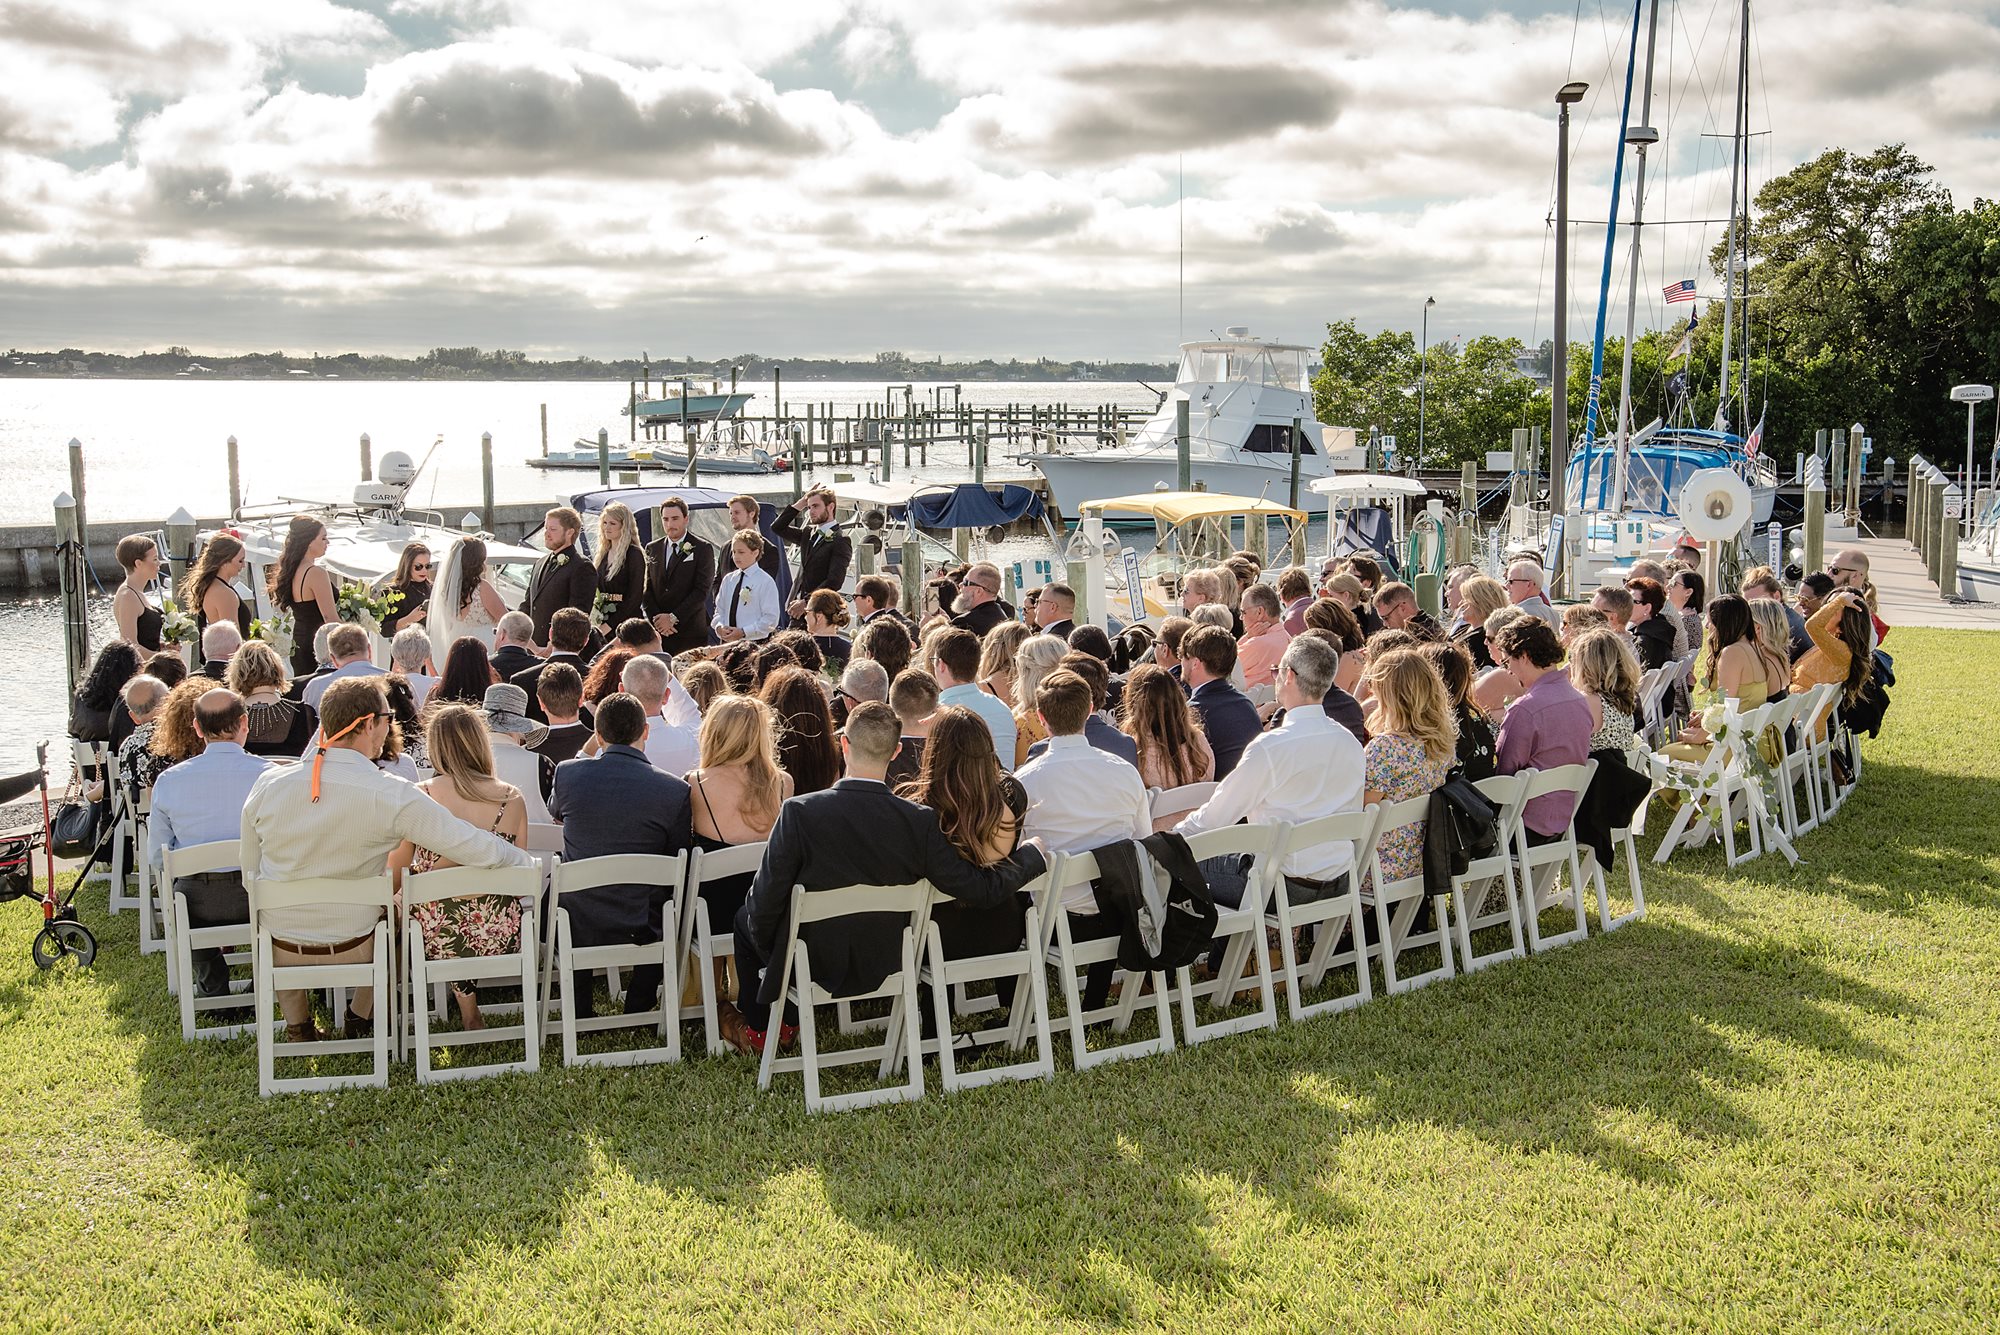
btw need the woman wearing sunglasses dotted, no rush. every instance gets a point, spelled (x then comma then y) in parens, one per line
(413, 580)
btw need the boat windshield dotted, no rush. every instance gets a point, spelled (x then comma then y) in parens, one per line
(1281, 368)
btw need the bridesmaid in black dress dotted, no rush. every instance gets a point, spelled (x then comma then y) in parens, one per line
(621, 565)
(139, 619)
(300, 585)
(209, 591)
(413, 580)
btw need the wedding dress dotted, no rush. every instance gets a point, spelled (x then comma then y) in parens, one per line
(448, 623)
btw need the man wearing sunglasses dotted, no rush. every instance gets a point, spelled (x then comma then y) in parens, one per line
(1524, 590)
(978, 607)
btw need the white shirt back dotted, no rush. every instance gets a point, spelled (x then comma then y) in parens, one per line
(1308, 768)
(674, 749)
(1080, 798)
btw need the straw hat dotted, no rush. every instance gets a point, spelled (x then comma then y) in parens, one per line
(506, 710)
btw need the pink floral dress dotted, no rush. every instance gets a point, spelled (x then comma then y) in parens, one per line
(469, 924)
(1399, 768)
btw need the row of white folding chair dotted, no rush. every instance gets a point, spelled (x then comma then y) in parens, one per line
(235, 940)
(93, 761)
(420, 974)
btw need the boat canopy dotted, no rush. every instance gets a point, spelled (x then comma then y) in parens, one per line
(1362, 485)
(970, 505)
(1178, 507)
(1654, 473)
(1280, 365)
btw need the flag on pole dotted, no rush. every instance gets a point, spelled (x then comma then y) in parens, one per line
(1685, 346)
(1681, 291)
(1756, 440)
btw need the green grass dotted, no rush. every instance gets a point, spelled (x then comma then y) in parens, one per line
(1771, 1104)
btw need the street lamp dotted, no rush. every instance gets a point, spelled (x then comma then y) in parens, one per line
(1971, 396)
(1566, 97)
(1423, 373)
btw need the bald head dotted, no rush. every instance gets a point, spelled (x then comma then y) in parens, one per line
(221, 717)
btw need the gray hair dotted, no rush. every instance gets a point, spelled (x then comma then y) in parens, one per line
(322, 638)
(646, 678)
(517, 626)
(1035, 659)
(144, 694)
(865, 679)
(221, 639)
(1312, 663)
(411, 648)
(1213, 614)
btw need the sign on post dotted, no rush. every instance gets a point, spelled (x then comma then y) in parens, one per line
(1775, 541)
(1132, 589)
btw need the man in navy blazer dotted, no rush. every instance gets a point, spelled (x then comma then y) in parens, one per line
(1208, 656)
(616, 802)
(855, 833)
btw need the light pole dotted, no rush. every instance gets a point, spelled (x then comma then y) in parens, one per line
(1971, 396)
(1566, 97)
(1423, 374)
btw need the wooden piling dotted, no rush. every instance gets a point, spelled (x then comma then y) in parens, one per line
(632, 410)
(603, 457)
(545, 431)
(76, 493)
(1815, 522)
(235, 481)
(1297, 423)
(367, 458)
(73, 579)
(1183, 460)
(486, 481)
(912, 573)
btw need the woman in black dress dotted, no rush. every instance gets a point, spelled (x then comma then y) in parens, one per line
(139, 618)
(413, 580)
(981, 810)
(209, 593)
(301, 586)
(621, 565)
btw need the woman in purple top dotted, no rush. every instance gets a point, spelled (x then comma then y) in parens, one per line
(1548, 725)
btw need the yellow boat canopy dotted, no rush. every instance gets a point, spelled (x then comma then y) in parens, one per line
(1178, 507)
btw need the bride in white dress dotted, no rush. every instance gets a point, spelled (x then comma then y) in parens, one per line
(463, 600)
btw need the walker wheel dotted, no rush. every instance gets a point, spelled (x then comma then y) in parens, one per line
(63, 939)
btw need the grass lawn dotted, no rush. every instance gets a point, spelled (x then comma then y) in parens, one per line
(1771, 1104)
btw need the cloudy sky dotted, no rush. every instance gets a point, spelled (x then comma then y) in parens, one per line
(1000, 177)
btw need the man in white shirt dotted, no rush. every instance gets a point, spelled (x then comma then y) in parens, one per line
(746, 602)
(672, 748)
(410, 654)
(958, 684)
(336, 815)
(1307, 768)
(350, 647)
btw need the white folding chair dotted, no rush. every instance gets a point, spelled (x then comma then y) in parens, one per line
(128, 847)
(93, 760)
(1654, 686)
(1711, 792)
(1473, 889)
(518, 965)
(1397, 902)
(1784, 714)
(1621, 837)
(1802, 769)
(1330, 917)
(704, 947)
(648, 869)
(235, 940)
(266, 897)
(899, 989)
(1178, 801)
(947, 980)
(1240, 931)
(1062, 952)
(1540, 866)
(151, 899)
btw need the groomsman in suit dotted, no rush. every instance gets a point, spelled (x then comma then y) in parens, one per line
(824, 551)
(561, 579)
(680, 571)
(814, 844)
(744, 513)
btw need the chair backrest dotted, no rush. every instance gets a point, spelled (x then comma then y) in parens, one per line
(659, 869)
(846, 900)
(457, 882)
(1260, 840)
(194, 859)
(1561, 779)
(1359, 828)
(1819, 704)
(1170, 801)
(706, 865)
(1395, 815)
(543, 837)
(359, 891)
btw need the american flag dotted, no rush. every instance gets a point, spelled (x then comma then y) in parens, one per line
(1756, 441)
(1681, 291)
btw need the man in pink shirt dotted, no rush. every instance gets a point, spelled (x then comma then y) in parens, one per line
(1295, 592)
(1264, 636)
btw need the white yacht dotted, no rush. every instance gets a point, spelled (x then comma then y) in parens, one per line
(1242, 395)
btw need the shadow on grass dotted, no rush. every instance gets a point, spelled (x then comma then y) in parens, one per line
(1089, 1191)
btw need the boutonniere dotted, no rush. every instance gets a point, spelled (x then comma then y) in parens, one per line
(685, 547)
(562, 559)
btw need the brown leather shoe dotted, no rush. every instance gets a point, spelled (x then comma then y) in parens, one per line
(736, 1032)
(303, 1033)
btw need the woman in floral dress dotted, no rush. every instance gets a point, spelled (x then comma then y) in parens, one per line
(470, 924)
(1412, 745)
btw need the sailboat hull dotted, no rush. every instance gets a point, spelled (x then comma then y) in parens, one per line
(1074, 479)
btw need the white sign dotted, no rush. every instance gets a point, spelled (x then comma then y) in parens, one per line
(1132, 589)
(1954, 504)
(1500, 461)
(1971, 393)
(1775, 543)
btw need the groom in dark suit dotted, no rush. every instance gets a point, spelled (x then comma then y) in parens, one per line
(680, 571)
(563, 578)
(824, 551)
(855, 833)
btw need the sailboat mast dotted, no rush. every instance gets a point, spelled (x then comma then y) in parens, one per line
(1729, 253)
(1640, 139)
(1593, 403)
(1743, 151)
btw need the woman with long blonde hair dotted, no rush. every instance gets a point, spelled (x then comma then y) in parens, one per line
(996, 659)
(1604, 668)
(470, 925)
(621, 565)
(1773, 635)
(1412, 745)
(737, 790)
(1035, 658)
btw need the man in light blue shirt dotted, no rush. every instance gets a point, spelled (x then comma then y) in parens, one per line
(351, 647)
(958, 683)
(200, 801)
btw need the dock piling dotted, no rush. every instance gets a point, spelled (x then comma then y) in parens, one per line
(76, 492)
(545, 431)
(367, 458)
(70, 573)
(603, 457)
(235, 482)
(486, 481)
(1183, 461)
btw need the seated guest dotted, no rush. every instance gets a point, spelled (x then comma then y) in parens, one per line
(1097, 729)
(1264, 636)
(1475, 734)
(996, 661)
(1605, 672)
(468, 671)
(1093, 642)
(976, 608)
(737, 790)
(1525, 591)
(403, 755)
(913, 696)
(1730, 668)
(875, 599)
(338, 816)
(468, 787)
(1341, 707)
(738, 662)
(1614, 603)
(1055, 611)
(1327, 615)
(1652, 632)
(671, 747)
(1547, 727)
(321, 656)
(1813, 591)
(351, 647)
(200, 801)
(1849, 569)
(1036, 657)
(560, 694)
(513, 645)
(279, 726)
(813, 845)
(1165, 731)
(806, 747)
(1412, 745)
(1454, 582)
(1228, 719)
(863, 681)
(218, 643)
(826, 614)
(410, 659)
(771, 656)
(512, 739)
(607, 672)
(958, 684)
(96, 697)
(888, 642)
(618, 801)
(1774, 643)
(705, 685)
(746, 602)
(1761, 582)
(171, 736)
(1295, 591)
(1841, 632)
(1167, 648)
(166, 666)
(1578, 618)
(569, 636)
(1310, 767)
(1495, 688)
(144, 697)
(1346, 590)
(1479, 597)
(980, 809)
(1396, 607)
(1687, 596)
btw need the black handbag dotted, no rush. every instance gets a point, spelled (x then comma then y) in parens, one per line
(77, 829)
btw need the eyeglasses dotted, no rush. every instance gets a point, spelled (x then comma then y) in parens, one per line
(420, 568)
(1520, 579)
